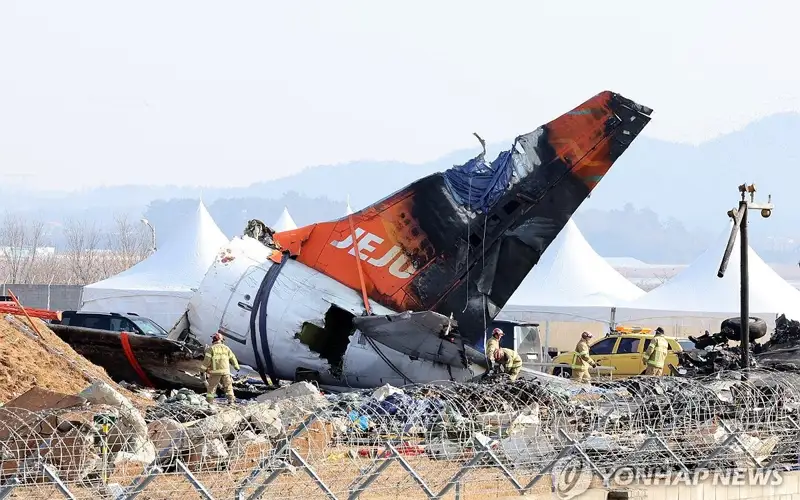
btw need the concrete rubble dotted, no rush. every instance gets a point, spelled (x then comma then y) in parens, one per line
(70, 435)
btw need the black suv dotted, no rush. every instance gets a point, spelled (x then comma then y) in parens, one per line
(115, 322)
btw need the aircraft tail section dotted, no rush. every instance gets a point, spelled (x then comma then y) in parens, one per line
(462, 241)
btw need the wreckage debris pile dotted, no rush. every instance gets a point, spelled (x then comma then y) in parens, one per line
(713, 354)
(30, 359)
(526, 423)
(787, 333)
(702, 362)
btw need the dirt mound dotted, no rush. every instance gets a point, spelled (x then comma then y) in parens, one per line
(28, 360)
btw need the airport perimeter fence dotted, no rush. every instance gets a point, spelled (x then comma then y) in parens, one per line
(44, 296)
(428, 441)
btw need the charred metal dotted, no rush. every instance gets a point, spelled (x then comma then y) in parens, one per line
(484, 252)
(166, 363)
(713, 354)
(331, 340)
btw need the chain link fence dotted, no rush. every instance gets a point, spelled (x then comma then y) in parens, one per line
(425, 441)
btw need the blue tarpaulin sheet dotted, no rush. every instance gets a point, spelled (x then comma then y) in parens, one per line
(479, 184)
(403, 409)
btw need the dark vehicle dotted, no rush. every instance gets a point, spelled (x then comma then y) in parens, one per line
(115, 322)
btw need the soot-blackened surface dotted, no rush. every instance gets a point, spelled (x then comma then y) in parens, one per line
(506, 243)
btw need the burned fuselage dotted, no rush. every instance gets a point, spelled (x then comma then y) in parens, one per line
(290, 322)
(456, 243)
(460, 242)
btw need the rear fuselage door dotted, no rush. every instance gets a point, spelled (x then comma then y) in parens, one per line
(235, 322)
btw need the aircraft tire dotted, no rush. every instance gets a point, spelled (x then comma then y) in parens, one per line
(758, 328)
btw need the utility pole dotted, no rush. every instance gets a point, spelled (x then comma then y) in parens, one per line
(739, 217)
(152, 232)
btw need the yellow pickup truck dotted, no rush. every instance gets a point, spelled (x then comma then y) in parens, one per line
(622, 350)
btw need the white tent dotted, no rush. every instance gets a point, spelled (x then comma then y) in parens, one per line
(284, 222)
(571, 282)
(698, 292)
(160, 286)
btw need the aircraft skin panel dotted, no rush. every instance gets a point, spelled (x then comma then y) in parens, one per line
(417, 334)
(303, 294)
(425, 248)
(214, 294)
(299, 294)
(380, 231)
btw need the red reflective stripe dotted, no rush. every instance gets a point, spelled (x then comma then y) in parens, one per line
(126, 348)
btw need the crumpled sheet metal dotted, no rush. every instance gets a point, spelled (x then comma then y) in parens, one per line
(782, 350)
(714, 354)
(786, 334)
(417, 334)
(702, 362)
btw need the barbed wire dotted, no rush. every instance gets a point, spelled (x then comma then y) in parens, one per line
(417, 441)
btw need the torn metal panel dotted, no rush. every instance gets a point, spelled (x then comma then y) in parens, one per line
(713, 354)
(417, 334)
(412, 244)
(165, 362)
(298, 296)
(263, 233)
(330, 340)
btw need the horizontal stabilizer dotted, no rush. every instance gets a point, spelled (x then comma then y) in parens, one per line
(421, 335)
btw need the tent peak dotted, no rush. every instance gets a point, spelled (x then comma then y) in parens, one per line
(697, 289)
(171, 273)
(284, 222)
(570, 274)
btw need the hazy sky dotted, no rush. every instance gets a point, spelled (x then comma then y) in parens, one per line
(230, 93)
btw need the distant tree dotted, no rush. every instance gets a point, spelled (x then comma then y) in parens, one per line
(51, 268)
(21, 241)
(128, 244)
(83, 252)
